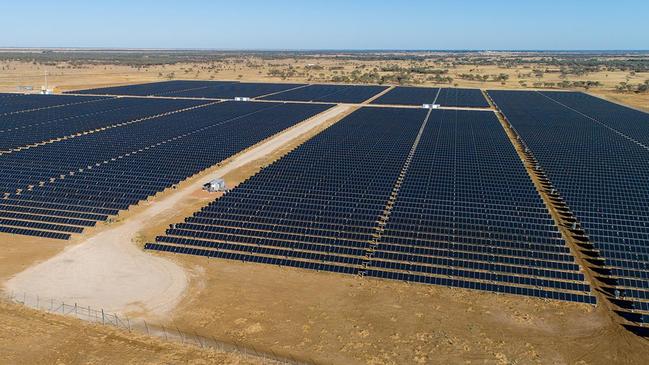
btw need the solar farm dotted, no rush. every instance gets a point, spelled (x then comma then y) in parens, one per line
(532, 195)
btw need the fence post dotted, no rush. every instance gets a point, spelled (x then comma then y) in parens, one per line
(103, 318)
(63, 307)
(199, 339)
(147, 328)
(76, 313)
(182, 338)
(128, 321)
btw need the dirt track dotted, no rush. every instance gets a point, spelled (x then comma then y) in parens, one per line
(108, 271)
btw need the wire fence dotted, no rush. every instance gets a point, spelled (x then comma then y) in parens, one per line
(168, 333)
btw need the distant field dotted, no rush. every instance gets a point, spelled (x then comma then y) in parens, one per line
(504, 70)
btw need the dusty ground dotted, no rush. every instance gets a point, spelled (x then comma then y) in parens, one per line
(20, 252)
(31, 337)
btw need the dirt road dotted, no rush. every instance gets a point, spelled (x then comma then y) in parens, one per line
(107, 270)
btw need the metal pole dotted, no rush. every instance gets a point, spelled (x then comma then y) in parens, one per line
(147, 328)
(103, 318)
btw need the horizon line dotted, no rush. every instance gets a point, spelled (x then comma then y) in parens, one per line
(151, 49)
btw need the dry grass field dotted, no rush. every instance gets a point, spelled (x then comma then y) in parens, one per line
(33, 337)
(317, 317)
(520, 71)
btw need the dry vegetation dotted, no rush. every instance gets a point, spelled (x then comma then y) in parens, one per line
(619, 77)
(32, 337)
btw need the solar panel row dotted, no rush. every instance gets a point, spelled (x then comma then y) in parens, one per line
(329, 93)
(318, 205)
(466, 215)
(153, 88)
(456, 97)
(233, 90)
(195, 89)
(595, 155)
(76, 181)
(229, 90)
(22, 129)
(408, 95)
(16, 103)
(450, 97)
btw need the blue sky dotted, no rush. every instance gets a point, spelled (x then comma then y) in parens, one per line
(332, 24)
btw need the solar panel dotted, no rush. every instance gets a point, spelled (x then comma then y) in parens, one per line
(42, 125)
(195, 89)
(152, 88)
(72, 183)
(329, 93)
(391, 193)
(408, 95)
(235, 89)
(318, 206)
(594, 154)
(456, 97)
(18, 103)
(468, 210)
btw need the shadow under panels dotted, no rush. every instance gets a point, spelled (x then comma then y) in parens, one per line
(596, 154)
(57, 189)
(463, 214)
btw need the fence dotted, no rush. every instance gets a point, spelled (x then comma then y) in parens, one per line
(173, 333)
